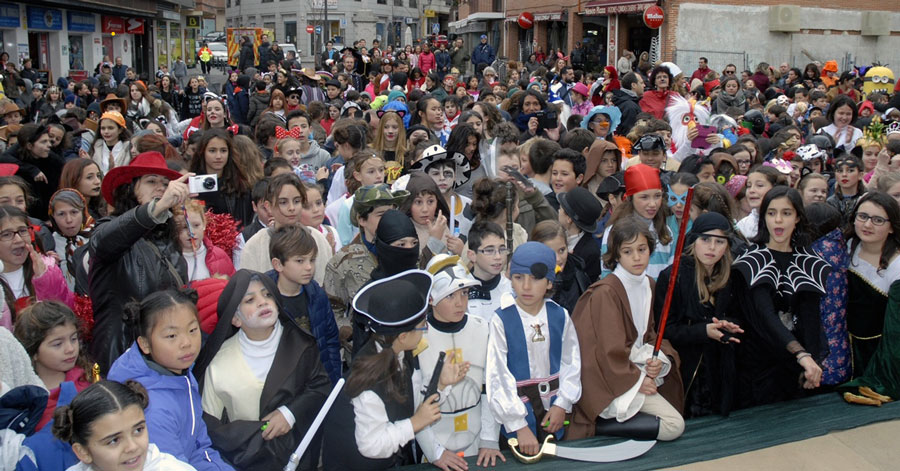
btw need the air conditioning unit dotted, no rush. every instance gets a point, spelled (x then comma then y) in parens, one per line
(784, 18)
(875, 23)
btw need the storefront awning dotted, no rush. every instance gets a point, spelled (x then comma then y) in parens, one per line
(552, 16)
(479, 16)
(615, 7)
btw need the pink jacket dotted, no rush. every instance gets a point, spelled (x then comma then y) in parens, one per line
(426, 62)
(51, 286)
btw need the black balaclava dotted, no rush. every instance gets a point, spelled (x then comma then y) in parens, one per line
(394, 225)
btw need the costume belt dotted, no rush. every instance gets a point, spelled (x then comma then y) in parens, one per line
(533, 390)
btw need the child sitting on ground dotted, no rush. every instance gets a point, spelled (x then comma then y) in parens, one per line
(262, 378)
(533, 364)
(466, 426)
(628, 392)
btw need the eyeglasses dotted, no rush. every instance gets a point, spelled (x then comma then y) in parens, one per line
(729, 72)
(861, 217)
(743, 163)
(24, 233)
(491, 251)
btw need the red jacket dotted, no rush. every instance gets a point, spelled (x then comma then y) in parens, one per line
(208, 292)
(655, 102)
(217, 261)
(426, 62)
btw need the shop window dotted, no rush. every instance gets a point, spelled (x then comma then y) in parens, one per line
(76, 53)
(269, 25)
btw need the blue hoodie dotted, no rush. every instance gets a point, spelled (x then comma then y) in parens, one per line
(174, 415)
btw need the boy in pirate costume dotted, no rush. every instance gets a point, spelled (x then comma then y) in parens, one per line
(466, 424)
(262, 379)
(533, 363)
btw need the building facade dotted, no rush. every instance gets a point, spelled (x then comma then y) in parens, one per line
(70, 38)
(394, 22)
(725, 31)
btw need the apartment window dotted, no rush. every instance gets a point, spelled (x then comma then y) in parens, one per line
(398, 3)
(382, 2)
(267, 1)
(414, 3)
(237, 3)
(227, 3)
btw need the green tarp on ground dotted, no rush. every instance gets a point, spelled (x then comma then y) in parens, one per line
(746, 430)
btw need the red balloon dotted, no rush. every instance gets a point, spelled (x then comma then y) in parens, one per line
(653, 17)
(525, 20)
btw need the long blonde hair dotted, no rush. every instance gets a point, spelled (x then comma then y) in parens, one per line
(380, 143)
(708, 284)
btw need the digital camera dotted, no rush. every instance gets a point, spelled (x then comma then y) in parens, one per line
(203, 184)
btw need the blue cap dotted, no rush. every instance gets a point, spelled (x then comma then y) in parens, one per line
(534, 258)
(483, 36)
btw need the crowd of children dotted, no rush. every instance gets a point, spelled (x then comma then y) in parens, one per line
(473, 263)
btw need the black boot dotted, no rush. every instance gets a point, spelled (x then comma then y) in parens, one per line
(640, 427)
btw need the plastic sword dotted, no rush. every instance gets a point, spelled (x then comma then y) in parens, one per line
(598, 454)
(679, 246)
(294, 460)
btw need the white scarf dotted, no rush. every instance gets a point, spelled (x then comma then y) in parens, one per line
(259, 355)
(638, 289)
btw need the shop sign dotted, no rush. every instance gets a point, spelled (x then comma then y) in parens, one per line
(430, 13)
(112, 24)
(615, 7)
(134, 26)
(193, 22)
(653, 17)
(556, 16)
(80, 22)
(9, 15)
(44, 18)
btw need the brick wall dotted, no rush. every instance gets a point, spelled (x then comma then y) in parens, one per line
(671, 8)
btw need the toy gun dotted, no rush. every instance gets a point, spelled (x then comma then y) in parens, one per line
(435, 376)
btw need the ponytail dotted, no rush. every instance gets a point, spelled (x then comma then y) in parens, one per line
(72, 423)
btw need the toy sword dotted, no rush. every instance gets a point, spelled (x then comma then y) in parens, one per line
(679, 246)
(294, 460)
(598, 454)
